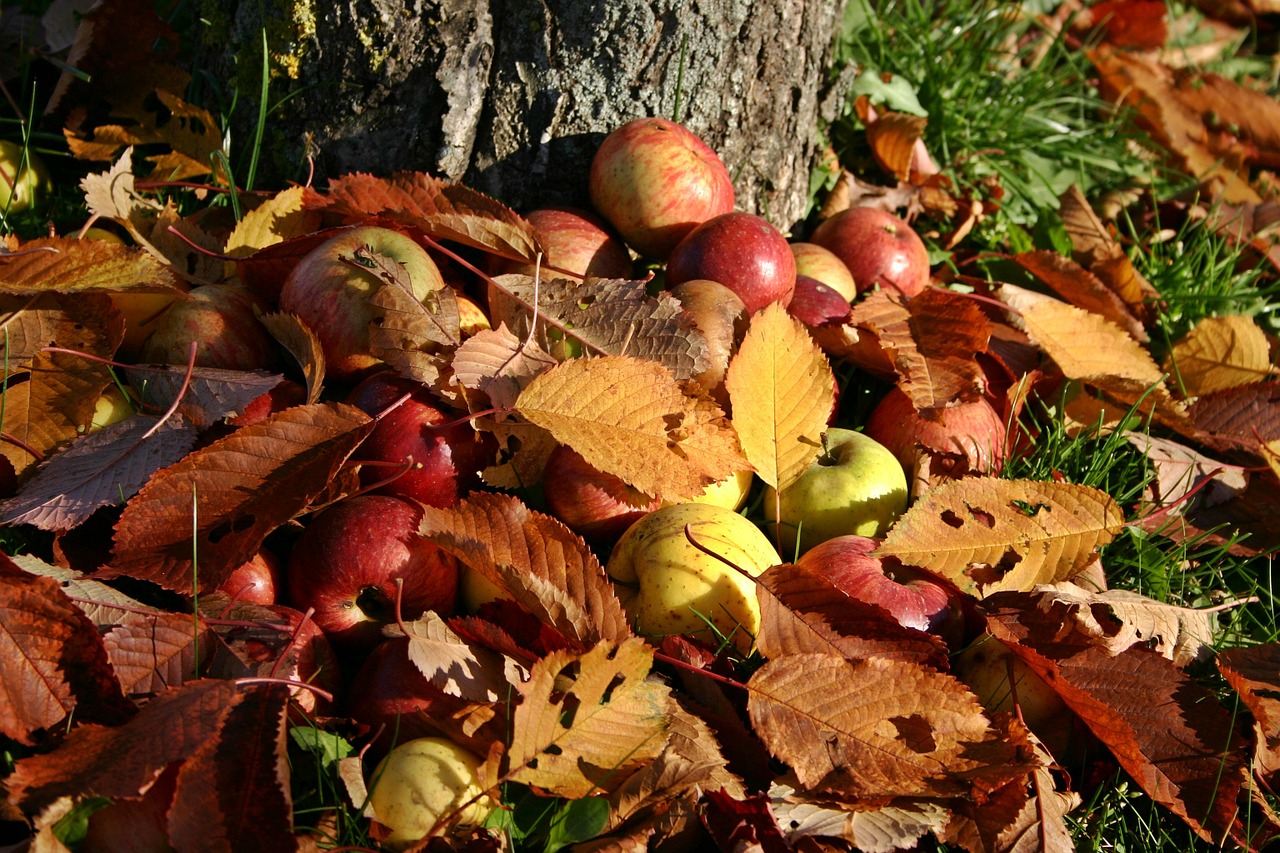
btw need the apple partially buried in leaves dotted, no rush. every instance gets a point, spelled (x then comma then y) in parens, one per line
(422, 782)
(255, 581)
(815, 304)
(880, 249)
(577, 242)
(654, 181)
(351, 560)
(743, 252)
(855, 486)
(722, 318)
(596, 505)
(222, 321)
(822, 264)
(24, 179)
(668, 586)
(330, 287)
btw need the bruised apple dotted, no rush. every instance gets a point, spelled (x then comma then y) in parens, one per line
(668, 586)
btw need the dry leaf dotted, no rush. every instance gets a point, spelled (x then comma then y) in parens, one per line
(1220, 353)
(1081, 288)
(783, 392)
(1253, 673)
(883, 829)
(458, 667)
(275, 220)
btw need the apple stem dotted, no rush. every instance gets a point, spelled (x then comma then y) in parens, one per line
(697, 670)
(293, 640)
(201, 249)
(289, 682)
(496, 410)
(688, 534)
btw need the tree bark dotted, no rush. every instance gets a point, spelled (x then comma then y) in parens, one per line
(512, 97)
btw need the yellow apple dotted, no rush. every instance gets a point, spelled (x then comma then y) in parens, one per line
(730, 493)
(420, 783)
(670, 587)
(111, 407)
(471, 318)
(23, 178)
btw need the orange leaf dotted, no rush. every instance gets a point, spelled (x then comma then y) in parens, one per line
(1081, 288)
(1221, 353)
(782, 392)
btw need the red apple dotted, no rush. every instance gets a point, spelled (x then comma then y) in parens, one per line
(311, 659)
(349, 562)
(283, 396)
(446, 461)
(879, 249)
(576, 241)
(222, 321)
(815, 261)
(257, 581)
(655, 180)
(911, 595)
(330, 288)
(743, 252)
(815, 304)
(939, 444)
(597, 506)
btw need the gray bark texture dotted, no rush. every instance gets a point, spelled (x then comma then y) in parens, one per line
(512, 97)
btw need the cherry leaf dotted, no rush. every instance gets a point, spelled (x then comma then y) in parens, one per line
(497, 363)
(103, 604)
(1252, 672)
(301, 343)
(883, 829)
(151, 653)
(275, 220)
(211, 394)
(1220, 353)
(459, 667)
(76, 266)
(1081, 288)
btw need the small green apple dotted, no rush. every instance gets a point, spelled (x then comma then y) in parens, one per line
(23, 179)
(854, 486)
(421, 782)
(670, 587)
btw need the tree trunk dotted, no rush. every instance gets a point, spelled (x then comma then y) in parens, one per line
(512, 97)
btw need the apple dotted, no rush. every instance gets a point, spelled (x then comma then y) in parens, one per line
(592, 503)
(730, 493)
(879, 249)
(255, 581)
(576, 241)
(939, 444)
(471, 318)
(24, 180)
(820, 263)
(422, 782)
(855, 485)
(743, 252)
(285, 395)
(446, 461)
(911, 595)
(815, 304)
(654, 181)
(349, 564)
(330, 287)
(668, 586)
(722, 318)
(111, 407)
(310, 658)
(222, 320)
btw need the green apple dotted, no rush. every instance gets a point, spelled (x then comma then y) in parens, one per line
(854, 486)
(668, 586)
(23, 178)
(423, 781)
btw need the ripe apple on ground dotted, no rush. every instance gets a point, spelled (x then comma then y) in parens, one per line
(820, 263)
(24, 180)
(912, 595)
(854, 486)
(654, 181)
(111, 407)
(878, 248)
(329, 289)
(350, 560)
(815, 304)
(256, 581)
(942, 444)
(286, 394)
(422, 782)
(722, 318)
(668, 586)
(222, 320)
(446, 462)
(743, 252)
(575, 241)
(592, 503)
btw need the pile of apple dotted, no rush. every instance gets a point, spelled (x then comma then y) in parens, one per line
(662, 199)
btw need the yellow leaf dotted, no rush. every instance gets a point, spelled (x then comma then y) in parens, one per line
(1221, 353)
(275, 220)
(628, 417)
(988, 534)
(1087, 346)
(782, 392)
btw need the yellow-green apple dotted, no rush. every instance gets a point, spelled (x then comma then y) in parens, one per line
(222, 320)
(939, 444)
(722, 318)
(654, 181)
(357, 558)
(815, 304)
(596, 505)
(855, 485)
(880, 249)
(471, 317)
(730, 493)
(820, 263)
(444, 452)
(258, 580)
(330, 288)
(576, 242)
(422, 782)
(669, 586)
(24, 180)
(743, 252)
(111, 407)
(913, 596)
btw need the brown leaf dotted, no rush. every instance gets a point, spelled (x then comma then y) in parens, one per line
(299, 341)
(893, 137)
(1081, 288)
(229, 495)
(414, 336)
(499, 364)
(631, 419)
(1253, 673)
(1240, 418)
(889, 728)
(444, 211)
(987, 534)
(275, 220)
(1180, 471)
(458, 667)
(104, 605)
(1138, 24)
(585, 720)
(53, 663)
(1094, 248)
(783, 392)
(76, 266)
(543, 565)
(871, 829)
(190, 131)
(208, 394)
(152, 653)
(1219, 354)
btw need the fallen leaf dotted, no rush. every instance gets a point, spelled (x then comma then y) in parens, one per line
(1219, 354)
